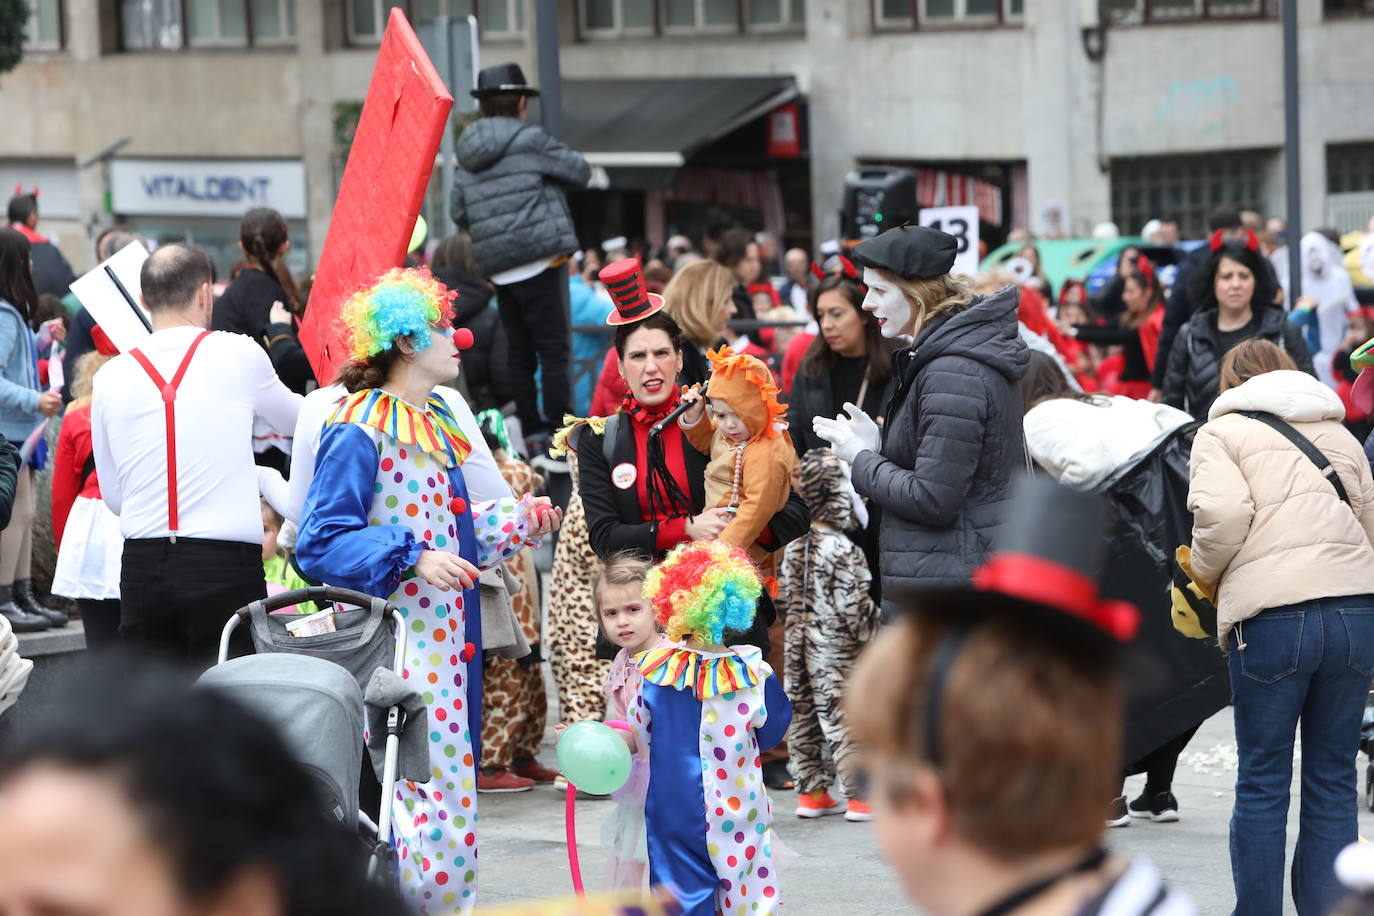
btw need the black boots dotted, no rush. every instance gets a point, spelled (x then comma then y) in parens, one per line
(27, 600)
(20, 620)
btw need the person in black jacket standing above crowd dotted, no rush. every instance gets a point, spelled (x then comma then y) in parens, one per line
(941, 467)
(508, 194)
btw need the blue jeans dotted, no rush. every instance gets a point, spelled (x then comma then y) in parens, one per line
(1311, 663)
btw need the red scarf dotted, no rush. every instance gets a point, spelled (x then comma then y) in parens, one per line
(648, 416)
(28, 233)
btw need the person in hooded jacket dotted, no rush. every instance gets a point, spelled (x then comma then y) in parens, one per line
(940, 468)
(1284, 547)
(1328, 297)
(1235, 292)
(508, 194)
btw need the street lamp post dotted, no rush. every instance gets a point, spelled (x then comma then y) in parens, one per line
(1292, 156)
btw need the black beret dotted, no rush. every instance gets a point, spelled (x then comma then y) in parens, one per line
(909, 251)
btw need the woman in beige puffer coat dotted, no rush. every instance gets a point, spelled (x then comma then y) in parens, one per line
(1292, 568)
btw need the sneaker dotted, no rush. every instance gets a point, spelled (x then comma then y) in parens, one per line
(858, 811)
(502, 780)
(529, 768)
(817, 804)
(560, 785)
(1162, 807)
(1118, 815)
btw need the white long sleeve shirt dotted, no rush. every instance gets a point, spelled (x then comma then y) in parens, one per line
(483, 478)
(228, 382)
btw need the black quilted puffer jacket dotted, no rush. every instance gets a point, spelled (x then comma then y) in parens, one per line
(951, 446)
(508, 193)
(1194, 370)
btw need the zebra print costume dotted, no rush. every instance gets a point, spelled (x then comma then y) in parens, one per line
(823, 594)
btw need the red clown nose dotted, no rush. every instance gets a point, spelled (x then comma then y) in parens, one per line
(462, 338)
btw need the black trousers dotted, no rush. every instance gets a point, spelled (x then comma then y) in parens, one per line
(178, 596)
(535, 315)
(101, 622)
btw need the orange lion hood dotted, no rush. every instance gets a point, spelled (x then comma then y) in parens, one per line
(745, 383)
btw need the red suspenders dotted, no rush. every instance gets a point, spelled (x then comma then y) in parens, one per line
(169, 396)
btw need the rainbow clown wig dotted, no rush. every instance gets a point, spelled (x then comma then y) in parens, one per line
(703, 589)
(403, 302)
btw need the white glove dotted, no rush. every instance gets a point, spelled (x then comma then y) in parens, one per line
(849, 436)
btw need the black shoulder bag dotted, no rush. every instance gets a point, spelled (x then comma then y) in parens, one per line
(1304, 445)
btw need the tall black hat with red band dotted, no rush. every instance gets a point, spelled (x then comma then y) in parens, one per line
(624, 280)
(1044, 567)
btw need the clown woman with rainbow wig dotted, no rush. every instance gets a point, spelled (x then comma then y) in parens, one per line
(711, 710)
(388, 514)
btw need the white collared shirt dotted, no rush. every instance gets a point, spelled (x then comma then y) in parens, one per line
(228, 382)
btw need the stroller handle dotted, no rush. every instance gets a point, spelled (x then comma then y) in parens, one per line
(314, 593)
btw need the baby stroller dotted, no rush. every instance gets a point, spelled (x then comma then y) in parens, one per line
(312, 688)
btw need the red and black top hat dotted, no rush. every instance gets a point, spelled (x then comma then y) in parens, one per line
(1044, 566)
(624, 280)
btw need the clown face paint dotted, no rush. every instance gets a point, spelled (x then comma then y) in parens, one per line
(439, 360)
(894, 311)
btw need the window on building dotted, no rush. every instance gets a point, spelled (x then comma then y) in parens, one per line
(1340, 9)
(904, 14)
(43, 31)
(151, 25)
(1137, 12)
(1349, 168)
(495, 18)
(622, 18)
(1149, 187)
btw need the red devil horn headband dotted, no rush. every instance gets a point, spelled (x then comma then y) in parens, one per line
(1251, 240)
(816, 271)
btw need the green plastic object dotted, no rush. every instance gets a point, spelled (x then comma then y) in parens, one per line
(1064, 259)
(1363, 358)
(593, 757)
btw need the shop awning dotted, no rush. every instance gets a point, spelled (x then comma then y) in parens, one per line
(659, 123)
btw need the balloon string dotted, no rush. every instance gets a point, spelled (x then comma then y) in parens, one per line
(570, 821)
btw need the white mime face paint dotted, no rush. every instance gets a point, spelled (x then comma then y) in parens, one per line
(894, 311)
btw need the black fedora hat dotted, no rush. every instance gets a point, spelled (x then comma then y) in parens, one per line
(502, 79)
(1043, 569)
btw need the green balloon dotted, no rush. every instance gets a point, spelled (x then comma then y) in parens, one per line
(593, 757)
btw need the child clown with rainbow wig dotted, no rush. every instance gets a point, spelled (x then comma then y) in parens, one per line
(711, 710)
(388, 514)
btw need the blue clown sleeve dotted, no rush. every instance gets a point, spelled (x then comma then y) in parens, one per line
(336, 545)
(779, 714)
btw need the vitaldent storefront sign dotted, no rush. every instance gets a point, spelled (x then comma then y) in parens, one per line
(206, 187)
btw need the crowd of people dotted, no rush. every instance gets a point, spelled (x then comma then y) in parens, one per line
(827, 513)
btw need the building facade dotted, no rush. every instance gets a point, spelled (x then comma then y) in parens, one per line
(174, 116)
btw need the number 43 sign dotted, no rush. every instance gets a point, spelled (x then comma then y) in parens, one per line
(962, 223)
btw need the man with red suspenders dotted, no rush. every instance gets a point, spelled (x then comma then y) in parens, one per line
(171, 425)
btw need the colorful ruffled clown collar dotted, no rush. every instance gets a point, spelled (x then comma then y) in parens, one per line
(432, 429)
(706, 674)
(403, 302)
(745, 383)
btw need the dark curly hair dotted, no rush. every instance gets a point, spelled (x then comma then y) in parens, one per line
(215, 787)
(1266, 286)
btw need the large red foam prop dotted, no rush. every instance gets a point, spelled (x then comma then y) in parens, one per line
(389, 167)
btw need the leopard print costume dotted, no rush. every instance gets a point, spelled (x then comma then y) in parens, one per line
(514, 706)
(823, 590)
(579, 675)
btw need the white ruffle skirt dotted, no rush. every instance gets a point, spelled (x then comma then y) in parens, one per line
(92, 549)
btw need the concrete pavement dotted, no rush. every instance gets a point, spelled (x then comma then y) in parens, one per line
(839, 869)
